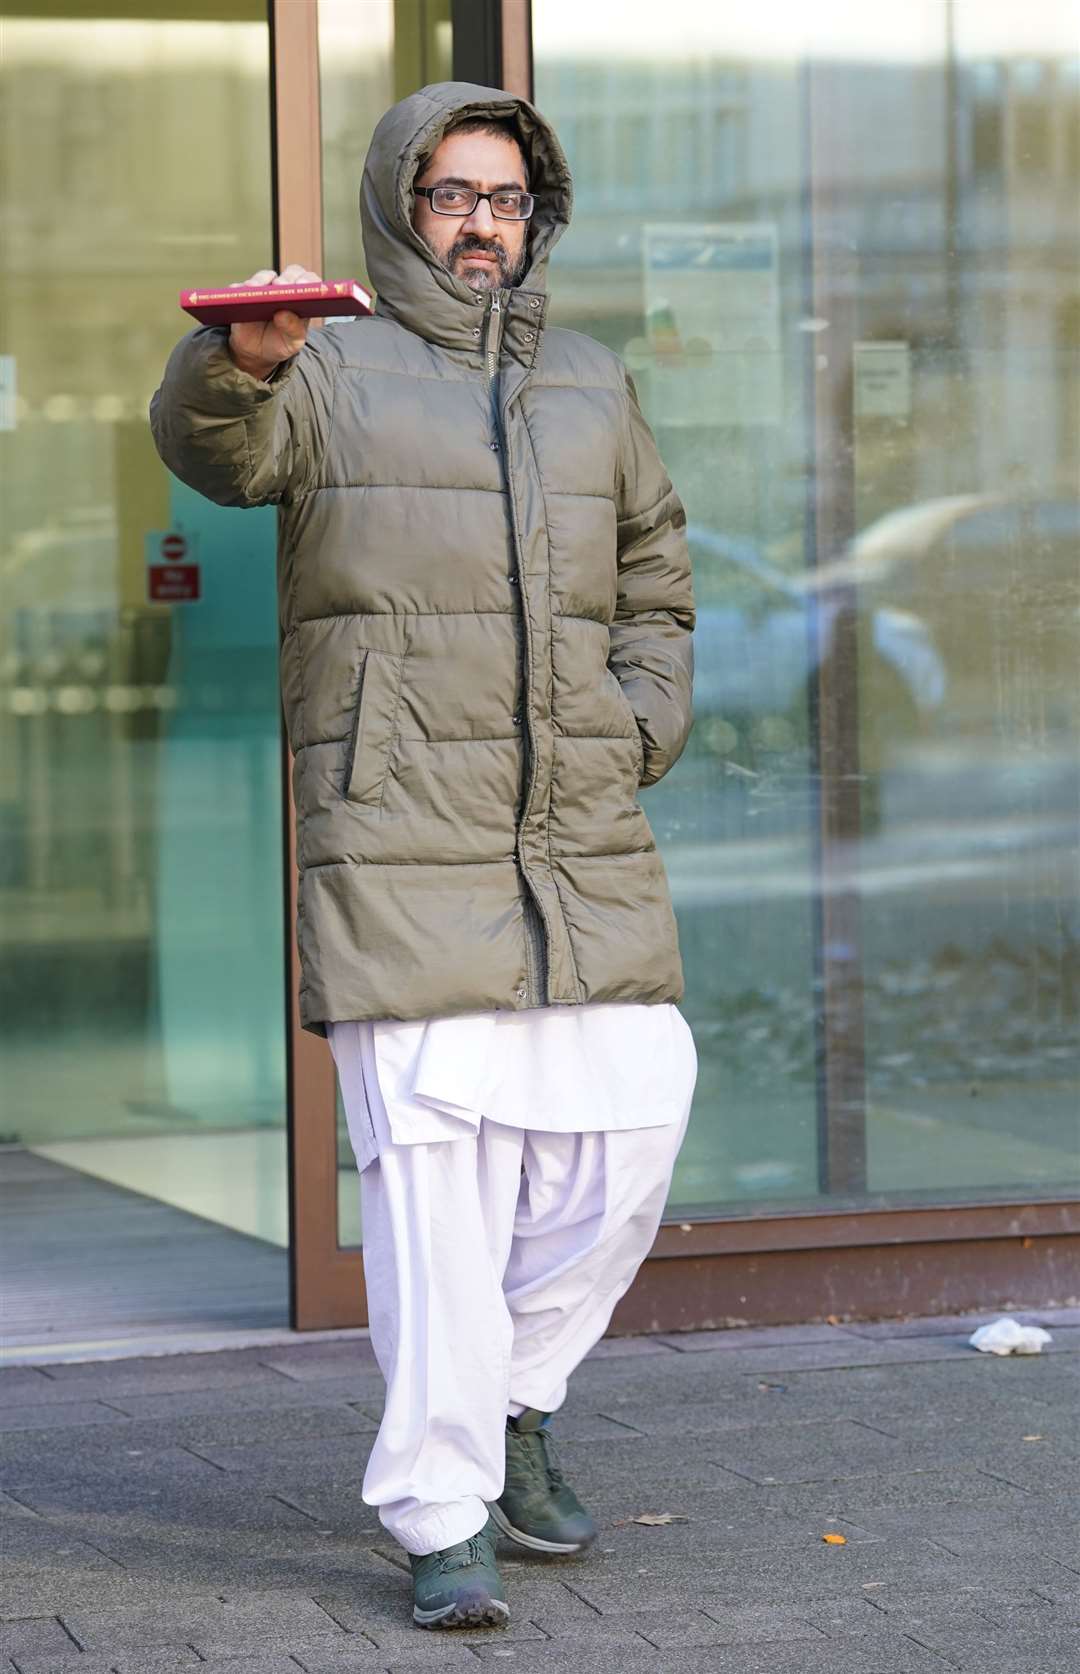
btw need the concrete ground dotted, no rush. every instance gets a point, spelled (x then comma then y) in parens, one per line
(204, 1511)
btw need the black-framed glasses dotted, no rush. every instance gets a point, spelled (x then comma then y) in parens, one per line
(462, 200)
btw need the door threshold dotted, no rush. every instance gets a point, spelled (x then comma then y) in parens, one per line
(150, 1343)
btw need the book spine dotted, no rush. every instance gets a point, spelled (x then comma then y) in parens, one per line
(258, 293)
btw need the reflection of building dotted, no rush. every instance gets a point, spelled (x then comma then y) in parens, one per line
(962, 211)
(871, 837)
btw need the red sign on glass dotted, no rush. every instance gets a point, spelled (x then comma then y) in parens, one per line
(172, 583)
(173, 546)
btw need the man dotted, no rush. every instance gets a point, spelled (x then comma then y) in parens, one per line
(487, 611)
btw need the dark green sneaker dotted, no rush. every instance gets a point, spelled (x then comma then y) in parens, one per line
(537, 1508)
(460, 1585)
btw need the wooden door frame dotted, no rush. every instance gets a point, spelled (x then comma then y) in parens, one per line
(326, 1283)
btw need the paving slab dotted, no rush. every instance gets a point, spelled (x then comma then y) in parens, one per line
(968, 1529)
(746, 1531)
(859, 1498)
(1030, 1612)
(299, 1459)
(262, 1663)
(115, 1508)
(34, 1636)
(839, 1349)
(59, 1416)
(383, 1613)
(209, 1429)
(366, 1388)
(91, 1662)
(817, 1569)
(205, 1510)
(297, 1564)
(771, 1399)
(753, 1336)
(207, 1622)
(307, 1362)
(264, 1400)
(35, 1468)
(666, 1629)
(768, 1657)
(166, 1371)
(421, 1650)
(53, 1589)
(961, 1324)
(620, 1348)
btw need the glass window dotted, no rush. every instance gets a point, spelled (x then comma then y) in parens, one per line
(369, 56)
(141, 937)
(845, 284)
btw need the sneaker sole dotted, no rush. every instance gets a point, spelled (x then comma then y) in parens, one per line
(494, 1613)
(533, 1543)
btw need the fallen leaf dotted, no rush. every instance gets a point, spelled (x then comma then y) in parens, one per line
(835, 1539)
(655, 1518)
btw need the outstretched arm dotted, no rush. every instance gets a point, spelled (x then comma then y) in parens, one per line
(239, 439)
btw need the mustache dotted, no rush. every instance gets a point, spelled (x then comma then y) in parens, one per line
(471, 244)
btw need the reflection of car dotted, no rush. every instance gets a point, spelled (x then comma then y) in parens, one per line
(996, 578)
(756, 650)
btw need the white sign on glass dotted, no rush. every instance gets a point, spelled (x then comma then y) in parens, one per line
(711, 354)
(883, 379)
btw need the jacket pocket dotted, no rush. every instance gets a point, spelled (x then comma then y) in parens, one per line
(378, 689)
(640, 750)
(634, 731)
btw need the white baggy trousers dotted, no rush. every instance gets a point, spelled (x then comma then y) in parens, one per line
(493, 1263)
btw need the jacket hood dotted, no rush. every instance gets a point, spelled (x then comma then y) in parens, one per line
(411, 284)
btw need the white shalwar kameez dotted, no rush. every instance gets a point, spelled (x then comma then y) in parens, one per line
(514, 1167)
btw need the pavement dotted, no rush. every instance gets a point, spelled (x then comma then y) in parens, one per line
(188, 1511)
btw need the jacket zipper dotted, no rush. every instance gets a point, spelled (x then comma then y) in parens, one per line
(535, 945)
(493, 343)
(493, 335)
(535, 950)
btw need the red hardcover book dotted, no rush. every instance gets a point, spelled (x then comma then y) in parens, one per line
(262, 302)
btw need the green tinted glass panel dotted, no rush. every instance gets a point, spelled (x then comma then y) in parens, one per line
(141, 929)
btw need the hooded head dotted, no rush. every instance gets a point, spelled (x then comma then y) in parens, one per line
(412, 284)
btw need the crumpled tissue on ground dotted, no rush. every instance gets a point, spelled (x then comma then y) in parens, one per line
(1008, 1336)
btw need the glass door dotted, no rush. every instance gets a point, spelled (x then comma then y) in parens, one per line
(141, 931)
(838, 247)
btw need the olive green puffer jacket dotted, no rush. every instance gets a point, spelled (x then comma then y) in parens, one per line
(486, 611)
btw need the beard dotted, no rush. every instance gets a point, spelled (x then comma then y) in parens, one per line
(508, 273)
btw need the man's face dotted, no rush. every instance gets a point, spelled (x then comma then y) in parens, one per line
(488, 254)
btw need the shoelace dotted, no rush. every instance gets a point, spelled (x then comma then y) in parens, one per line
(541, 1461)
(554, 1474)
(466, 1552)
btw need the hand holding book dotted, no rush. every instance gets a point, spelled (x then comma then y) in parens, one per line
(257, 346)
